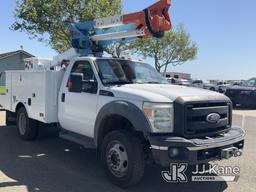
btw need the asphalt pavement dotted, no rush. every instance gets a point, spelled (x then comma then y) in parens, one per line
(51, 164)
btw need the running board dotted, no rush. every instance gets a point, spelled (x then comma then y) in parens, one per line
(86, 142)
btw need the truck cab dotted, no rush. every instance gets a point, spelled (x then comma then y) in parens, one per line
(90, 83)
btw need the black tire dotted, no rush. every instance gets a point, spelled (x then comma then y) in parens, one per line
(27, 128)
(212, 89)
(10, 118)
(133, 168)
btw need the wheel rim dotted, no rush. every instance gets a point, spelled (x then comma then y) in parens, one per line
(117, 159)
(22, 123)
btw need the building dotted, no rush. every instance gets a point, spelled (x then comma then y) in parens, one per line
(178, 75)
(12, 61)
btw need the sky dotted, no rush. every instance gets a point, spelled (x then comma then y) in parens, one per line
(224, 31)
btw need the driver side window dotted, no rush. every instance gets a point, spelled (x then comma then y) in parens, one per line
(89, 83)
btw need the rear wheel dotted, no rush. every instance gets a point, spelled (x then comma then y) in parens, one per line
(212, 89)
(27, 128)
(10, 118)
(123, 158)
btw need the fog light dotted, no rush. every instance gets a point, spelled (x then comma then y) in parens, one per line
(174, 152)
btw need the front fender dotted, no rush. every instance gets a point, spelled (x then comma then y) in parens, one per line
(125, 109)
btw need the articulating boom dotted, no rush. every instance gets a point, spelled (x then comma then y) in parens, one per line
(91, 37)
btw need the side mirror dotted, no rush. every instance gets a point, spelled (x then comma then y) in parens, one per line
(75, 83)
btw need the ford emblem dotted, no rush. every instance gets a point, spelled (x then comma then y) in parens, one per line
(213, 118)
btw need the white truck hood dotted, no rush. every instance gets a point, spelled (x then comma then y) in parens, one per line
(160, 92)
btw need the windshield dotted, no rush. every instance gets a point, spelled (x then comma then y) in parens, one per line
(114, 71)
(250, 83)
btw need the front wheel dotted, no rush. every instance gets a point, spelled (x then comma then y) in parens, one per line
(123, 158)
(27, 128)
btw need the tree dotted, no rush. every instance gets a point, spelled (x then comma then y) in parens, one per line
(43, 20)
(118, 50)
(175, 48)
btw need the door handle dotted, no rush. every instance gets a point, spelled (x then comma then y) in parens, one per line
(63, 97)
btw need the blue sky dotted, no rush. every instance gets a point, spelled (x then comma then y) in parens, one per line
(224, 30)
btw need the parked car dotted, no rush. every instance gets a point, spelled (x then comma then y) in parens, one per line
(173, 81)
(243, 95)
(183, 82)
(197, 83)
(238, 82)
(222, 86)
(210, 86)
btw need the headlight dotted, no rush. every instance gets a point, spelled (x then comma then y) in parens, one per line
(160, 116)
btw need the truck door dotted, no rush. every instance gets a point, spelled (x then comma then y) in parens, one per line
(77, 111)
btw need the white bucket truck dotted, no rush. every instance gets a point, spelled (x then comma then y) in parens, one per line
(123, 108)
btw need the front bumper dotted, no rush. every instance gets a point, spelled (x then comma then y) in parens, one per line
(166, 149)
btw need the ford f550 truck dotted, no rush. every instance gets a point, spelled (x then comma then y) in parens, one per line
(123, 108)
